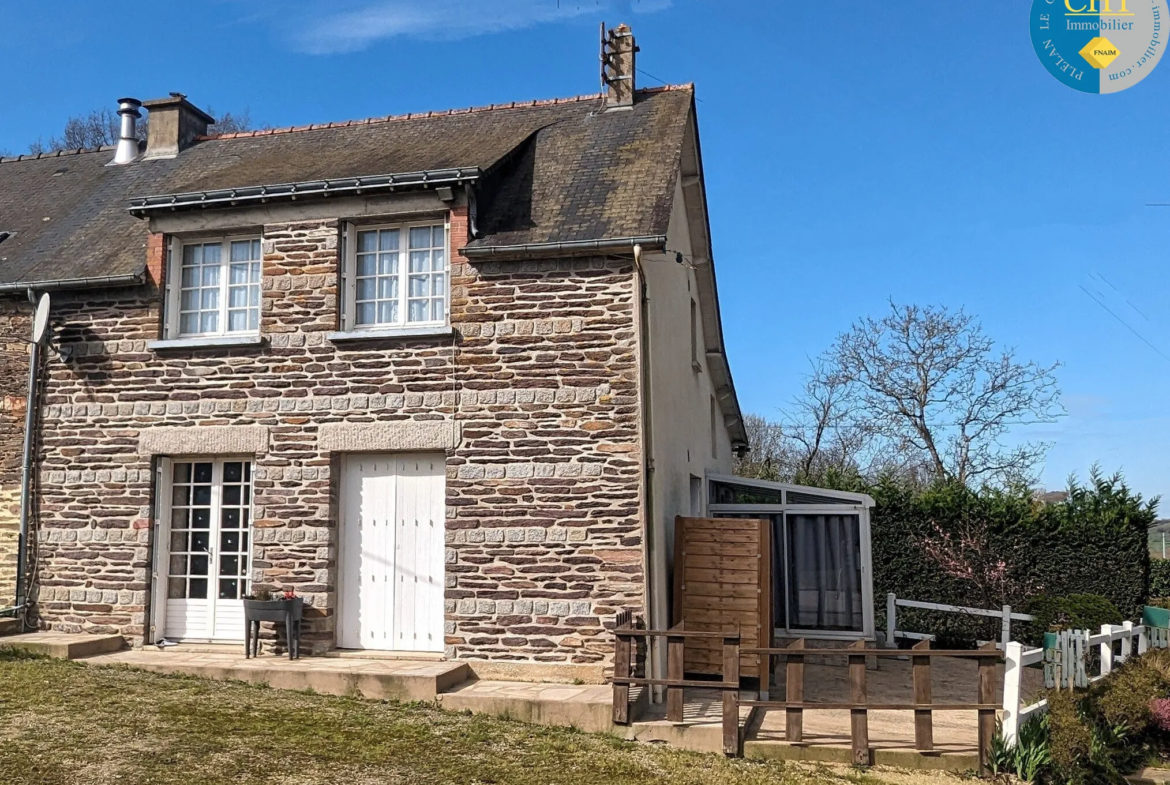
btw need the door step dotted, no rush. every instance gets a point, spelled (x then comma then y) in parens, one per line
(377, 680)
(64, 646)
(372, 654)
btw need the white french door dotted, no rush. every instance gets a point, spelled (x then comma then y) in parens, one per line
(208, 540)
(392, 546)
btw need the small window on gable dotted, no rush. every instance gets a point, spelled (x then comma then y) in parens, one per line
(395, 276)
(214, 287)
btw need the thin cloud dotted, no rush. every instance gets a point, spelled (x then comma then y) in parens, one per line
(360, 26)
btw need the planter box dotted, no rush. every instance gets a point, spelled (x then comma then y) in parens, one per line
(286, 612)
(1156, 617)
(274, 610)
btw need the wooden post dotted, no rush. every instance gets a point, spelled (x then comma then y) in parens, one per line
(621, 670)
(986, 716)
(731, 696)
(794, 692)
(1005, 627)
(923, 719)
(674, 671)
(767, 639)
(891, 619)
(859, 697)
(1127, 641)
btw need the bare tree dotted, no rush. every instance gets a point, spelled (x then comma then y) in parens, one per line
(823, 426)
(930, 383)
(768, 456)
(103, 127)
(818, 437)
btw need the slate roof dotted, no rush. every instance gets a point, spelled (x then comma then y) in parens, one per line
(553, 171)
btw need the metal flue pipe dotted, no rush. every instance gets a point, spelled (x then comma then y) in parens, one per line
(128, 138)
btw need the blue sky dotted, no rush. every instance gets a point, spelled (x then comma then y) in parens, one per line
(854, 152)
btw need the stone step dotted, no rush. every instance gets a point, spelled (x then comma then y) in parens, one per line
(374, 679)
(694, 736)
(9, 626)
(63, 645)
(957, 762)
(585, 707)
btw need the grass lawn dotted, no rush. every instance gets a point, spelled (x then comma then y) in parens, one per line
(74, 724)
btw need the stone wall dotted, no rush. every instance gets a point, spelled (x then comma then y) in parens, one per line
(543, 490)
(14, 323)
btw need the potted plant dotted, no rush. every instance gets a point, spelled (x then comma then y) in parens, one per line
(287, 608)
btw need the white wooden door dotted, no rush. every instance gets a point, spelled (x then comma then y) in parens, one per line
(392, 544)
(208, 540)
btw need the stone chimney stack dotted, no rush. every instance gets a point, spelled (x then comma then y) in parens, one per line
(174, 124)
(618, 66)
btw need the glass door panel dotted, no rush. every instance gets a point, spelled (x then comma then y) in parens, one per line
(823, 568)
(209, 549)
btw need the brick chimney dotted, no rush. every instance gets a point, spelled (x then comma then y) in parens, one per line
(174, 124)
(618, 66)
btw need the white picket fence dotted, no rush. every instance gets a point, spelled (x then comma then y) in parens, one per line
(893, 603)
(1069, 664)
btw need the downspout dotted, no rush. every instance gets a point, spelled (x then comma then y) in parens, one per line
(656, 657)
(34, 359)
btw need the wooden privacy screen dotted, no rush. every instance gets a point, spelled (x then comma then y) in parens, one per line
(723, 581)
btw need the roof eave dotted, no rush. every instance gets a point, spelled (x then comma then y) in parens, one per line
(58, 284)
(142, 206)
(475, 253)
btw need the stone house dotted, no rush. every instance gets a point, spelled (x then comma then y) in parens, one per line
(450, 376)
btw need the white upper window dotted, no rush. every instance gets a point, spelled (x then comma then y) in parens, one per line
(215, 287)
(396, 276)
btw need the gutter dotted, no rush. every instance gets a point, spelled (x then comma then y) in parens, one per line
(95, 282)
(573, 247)
(142, 206)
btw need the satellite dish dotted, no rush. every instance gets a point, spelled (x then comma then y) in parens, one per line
(41, 319)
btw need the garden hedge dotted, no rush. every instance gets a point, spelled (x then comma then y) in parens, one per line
(1160, 577)
(1094, 542)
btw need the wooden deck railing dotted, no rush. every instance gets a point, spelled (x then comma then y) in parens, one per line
(859, 704)
(794, 705)
(675, 681)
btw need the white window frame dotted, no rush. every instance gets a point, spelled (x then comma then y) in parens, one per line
(858, 504)
(163, 507)
(174, 277)
(349, 324)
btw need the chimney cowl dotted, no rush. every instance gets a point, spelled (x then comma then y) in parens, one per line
(127, 149)
(175, 122)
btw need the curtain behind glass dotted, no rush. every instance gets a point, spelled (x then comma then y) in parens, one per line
(824, 572)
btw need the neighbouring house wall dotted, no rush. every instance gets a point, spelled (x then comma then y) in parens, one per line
(680, 394)
(14, 324)
(543, 532)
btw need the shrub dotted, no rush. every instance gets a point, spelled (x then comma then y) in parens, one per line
(1158, 660)
(1070, 742)
(1073, 612)
(1160, 714)
(1123, 698)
